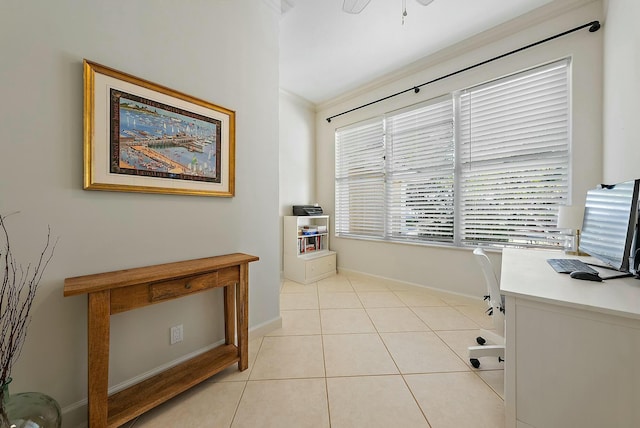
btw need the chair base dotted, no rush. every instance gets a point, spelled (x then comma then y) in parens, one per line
(494, 349)
(486, 351)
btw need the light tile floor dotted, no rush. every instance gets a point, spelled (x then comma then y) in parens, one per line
(353, 352)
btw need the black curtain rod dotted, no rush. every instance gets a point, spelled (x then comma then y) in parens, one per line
(593, 27)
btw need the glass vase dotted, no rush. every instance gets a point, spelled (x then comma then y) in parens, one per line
(29, 410)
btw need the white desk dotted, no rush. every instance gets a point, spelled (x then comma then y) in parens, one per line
(572, 347)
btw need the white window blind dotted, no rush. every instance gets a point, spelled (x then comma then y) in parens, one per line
(419, 182)
(359, 181)
(514, 158)
(487, 165)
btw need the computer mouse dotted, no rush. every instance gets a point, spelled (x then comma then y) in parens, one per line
(589, 276)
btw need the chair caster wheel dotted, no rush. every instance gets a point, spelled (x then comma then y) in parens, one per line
(480, 340)
(474, 362)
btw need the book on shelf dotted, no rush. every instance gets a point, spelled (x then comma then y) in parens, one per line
(308, 244)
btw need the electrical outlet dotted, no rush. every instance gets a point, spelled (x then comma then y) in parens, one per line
(176, 334)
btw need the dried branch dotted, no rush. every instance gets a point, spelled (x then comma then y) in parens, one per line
(17, 293)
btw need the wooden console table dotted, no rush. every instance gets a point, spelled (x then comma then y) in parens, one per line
(113, 292)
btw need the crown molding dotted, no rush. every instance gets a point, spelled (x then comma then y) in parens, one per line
(298, 99)
(274, 5)
(280, 6)
(286, 6)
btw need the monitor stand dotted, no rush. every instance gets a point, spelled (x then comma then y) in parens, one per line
(621, 275)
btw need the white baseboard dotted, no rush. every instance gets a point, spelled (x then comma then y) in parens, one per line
(265, 328)
(405, 283)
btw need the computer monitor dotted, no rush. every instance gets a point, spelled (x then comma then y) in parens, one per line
(609, 228)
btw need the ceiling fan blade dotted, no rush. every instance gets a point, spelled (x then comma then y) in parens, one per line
(354, 6)
(425, 2)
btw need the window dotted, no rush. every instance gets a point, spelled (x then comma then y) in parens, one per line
(487, 164)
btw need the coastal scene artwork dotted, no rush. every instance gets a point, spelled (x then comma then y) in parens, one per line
(143, 137)
(156, 140)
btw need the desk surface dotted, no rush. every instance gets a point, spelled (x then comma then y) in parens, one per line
(526, 273)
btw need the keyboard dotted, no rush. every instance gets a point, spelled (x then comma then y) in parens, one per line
(570, 265)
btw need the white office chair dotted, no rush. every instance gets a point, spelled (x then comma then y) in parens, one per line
(491, 342)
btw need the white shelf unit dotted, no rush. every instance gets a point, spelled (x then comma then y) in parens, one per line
(307, 257)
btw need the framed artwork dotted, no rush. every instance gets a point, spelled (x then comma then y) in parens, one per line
(144, 137)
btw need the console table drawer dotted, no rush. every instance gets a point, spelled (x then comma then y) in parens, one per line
(179, 287)
(135, 296)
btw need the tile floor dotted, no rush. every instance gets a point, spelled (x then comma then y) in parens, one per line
(353, 352)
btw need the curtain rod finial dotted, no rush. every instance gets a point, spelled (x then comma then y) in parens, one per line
(595, 26)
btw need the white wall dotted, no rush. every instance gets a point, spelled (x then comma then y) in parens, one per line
(621, 90)
(451, 268)
(297, 154)
(222, 51)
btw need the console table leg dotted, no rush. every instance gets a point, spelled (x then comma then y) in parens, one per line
(98, 353)
(242, 303)
(229, 314)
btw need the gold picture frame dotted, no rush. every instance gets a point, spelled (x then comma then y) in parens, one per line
(143, 137)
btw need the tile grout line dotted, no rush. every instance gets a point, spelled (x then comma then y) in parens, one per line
(246, 383)
(324, 363)
(416, 399)
(396, 363)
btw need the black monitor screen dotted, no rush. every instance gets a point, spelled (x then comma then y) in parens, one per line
(609, 223)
